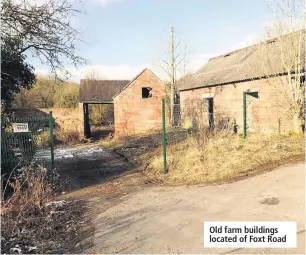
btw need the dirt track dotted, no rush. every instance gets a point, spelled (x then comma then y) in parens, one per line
(81, 167)
(170, 219)
(131, 216)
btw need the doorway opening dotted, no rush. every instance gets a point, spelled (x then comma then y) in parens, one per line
(210, 110)
(98, 120)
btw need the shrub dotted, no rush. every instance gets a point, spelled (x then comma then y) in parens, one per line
(21, 210)
(68, 137)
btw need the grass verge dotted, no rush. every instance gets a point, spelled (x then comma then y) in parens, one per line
(220, 158)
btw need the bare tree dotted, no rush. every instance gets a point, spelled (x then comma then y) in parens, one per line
(289, 31)
(22, 99)
(45, 89)
(174, 65)
(45, 30)
(93, 75)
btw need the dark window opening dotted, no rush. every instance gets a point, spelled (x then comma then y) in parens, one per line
(300, 80)
(146, 92)
(210, 108)
(254, 94)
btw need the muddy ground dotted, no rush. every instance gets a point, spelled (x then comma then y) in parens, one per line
(85, 166)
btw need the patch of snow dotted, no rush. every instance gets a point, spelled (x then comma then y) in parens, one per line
(69, 152)
(68, 156)
(56, 203)
(32, 248)
(89, 151)
(16, 249)
(42, 154)
(59, 154)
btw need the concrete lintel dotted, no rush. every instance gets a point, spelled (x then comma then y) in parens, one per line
(208, 95)
(251, 90)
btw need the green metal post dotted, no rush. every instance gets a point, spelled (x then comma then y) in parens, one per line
(51, 140)
(244, 115)
(164, 137)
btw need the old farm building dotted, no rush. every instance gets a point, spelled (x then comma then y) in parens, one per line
(214, 94)
(97, 92)
(137, 103)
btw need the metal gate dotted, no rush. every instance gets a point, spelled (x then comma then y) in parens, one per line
(26, 141)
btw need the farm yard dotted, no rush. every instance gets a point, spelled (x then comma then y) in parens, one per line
(105, 150)
(116, 184)
(97, 178)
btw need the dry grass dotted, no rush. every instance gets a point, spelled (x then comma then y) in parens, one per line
(149, 138)
(68, 124)
(113, 143)
(68, 137)
(61, 136)
(33, 223)
(31, 189)
(222, 158)
(42, 140)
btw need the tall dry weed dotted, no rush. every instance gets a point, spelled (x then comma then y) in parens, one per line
(215, 156)
(31, 189)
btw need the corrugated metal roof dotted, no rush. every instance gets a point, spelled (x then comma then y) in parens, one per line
(268, 58)
(103, 91)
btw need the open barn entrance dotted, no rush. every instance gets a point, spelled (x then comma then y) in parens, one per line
(101, 120)
(98, 106)
(98, 120)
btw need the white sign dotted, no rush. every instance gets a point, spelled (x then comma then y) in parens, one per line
(20, 127)
(249, 234)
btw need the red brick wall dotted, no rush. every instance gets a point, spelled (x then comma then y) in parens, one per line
(267, 113)
(133, 114)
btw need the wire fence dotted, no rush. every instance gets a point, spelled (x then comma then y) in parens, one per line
(26, 141)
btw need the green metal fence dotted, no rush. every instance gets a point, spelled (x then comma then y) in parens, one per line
(171, 129)
(26, 141)
(164, 137)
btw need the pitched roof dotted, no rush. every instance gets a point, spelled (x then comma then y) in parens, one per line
(180, 82)
(100, 91)
(258, 61)
(144, 70)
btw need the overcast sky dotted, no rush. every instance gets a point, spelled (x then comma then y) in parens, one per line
(124, 36)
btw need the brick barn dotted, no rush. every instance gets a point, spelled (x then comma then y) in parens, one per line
(137, 103)
(214, 94)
